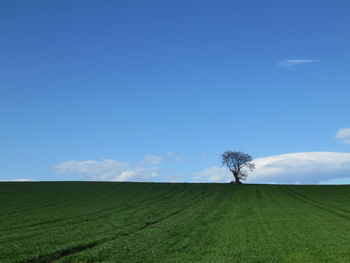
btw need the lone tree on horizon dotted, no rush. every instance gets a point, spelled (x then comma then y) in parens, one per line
(238, 163)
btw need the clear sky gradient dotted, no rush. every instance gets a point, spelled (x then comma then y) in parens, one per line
(181, 81)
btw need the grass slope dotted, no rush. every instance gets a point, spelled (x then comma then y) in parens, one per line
(150, 222)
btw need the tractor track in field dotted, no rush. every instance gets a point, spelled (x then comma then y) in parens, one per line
(40, 206)
(320, 203)
(81, 218)
(35, 207)
(316, 204)
(53, 257)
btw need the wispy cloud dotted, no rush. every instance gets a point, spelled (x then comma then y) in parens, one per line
(295, 62)
(150, 168)
(212, 174)
(343, 135)
(112, 170)
(152, 159)
(292, 168)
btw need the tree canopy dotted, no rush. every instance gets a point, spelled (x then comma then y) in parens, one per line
(239, 163)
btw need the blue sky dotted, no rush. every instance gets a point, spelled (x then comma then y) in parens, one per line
(162, 88)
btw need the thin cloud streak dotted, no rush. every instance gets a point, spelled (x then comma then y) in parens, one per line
(18, 180)
(295, 62)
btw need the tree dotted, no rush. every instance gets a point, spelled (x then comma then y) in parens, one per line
(238, 163)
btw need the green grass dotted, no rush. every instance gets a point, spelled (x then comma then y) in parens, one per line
(150, 222)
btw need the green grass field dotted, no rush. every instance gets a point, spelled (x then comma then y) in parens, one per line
(150, 222)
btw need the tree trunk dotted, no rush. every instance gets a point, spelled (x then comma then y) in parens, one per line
(237, 181)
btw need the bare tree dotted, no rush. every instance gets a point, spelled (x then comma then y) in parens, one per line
(238, 163)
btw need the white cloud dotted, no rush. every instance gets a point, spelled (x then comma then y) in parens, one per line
(343, 135)
(18, 180)
(303, 168)
(112, 170)
(105, 169)
(212, 174)
(292, 168)
(295, 62)
(152, 159)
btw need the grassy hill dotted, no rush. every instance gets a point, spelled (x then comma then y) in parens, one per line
(150, 222)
